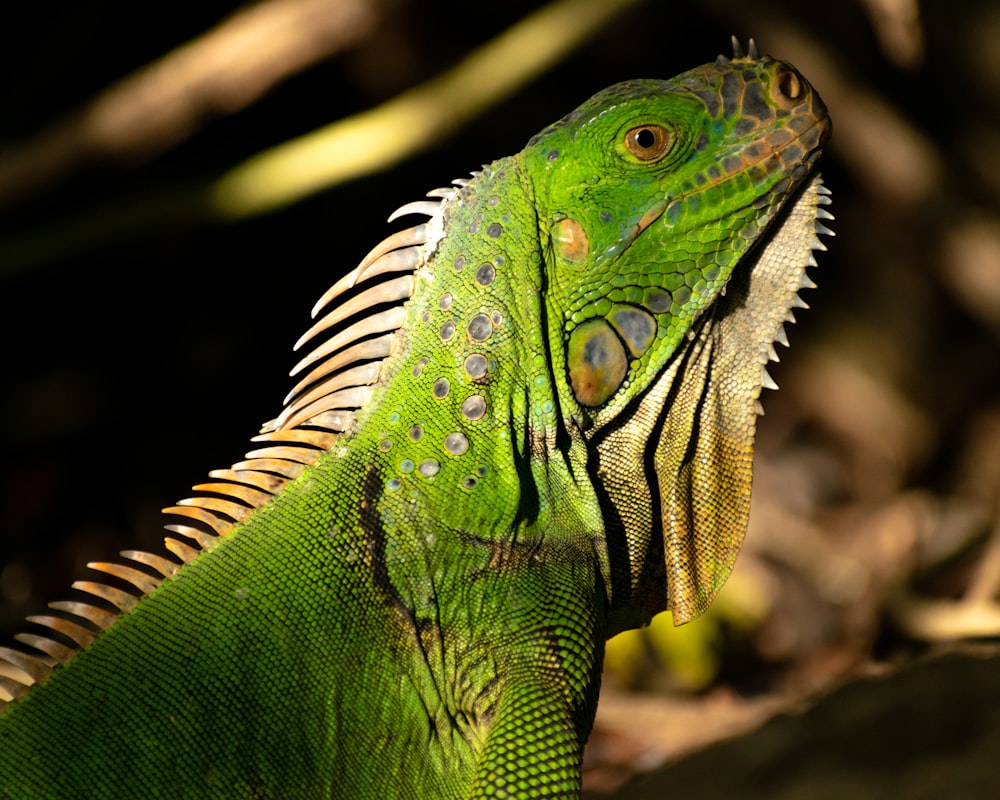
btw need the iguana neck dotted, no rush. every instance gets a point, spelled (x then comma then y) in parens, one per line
(468, 426)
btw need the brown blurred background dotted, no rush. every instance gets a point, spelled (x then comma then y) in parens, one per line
(146, 336)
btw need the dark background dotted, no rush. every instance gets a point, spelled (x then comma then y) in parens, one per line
(144, 341)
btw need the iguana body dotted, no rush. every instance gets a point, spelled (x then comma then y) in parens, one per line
(529, 426)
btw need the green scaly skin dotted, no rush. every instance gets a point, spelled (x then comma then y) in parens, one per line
(557, 448)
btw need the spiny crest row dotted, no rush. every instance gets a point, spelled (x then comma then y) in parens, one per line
(752, 54)
(340, 373)
(805, 282)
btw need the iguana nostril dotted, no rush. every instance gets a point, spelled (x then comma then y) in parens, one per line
(790, 85)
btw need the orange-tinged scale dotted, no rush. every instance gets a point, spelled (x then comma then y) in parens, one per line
(652, 214)
(569, 240)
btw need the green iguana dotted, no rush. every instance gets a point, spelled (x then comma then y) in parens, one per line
(525, 424)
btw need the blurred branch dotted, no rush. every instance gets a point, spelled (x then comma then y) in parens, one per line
(984, 586)
(221, 72)
(897, 25)
(385, 135)
(347, 149)
(975, 615)
(946, 620)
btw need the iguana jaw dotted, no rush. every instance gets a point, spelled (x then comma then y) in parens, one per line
(681, 471)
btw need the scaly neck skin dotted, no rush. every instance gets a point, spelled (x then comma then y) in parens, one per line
(468, 430)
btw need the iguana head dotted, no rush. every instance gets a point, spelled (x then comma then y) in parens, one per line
(660, 200)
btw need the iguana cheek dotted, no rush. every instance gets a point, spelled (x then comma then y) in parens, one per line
(597, 362)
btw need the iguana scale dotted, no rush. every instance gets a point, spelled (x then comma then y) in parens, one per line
(525, 424)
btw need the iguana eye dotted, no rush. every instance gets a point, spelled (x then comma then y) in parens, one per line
(648, 142)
